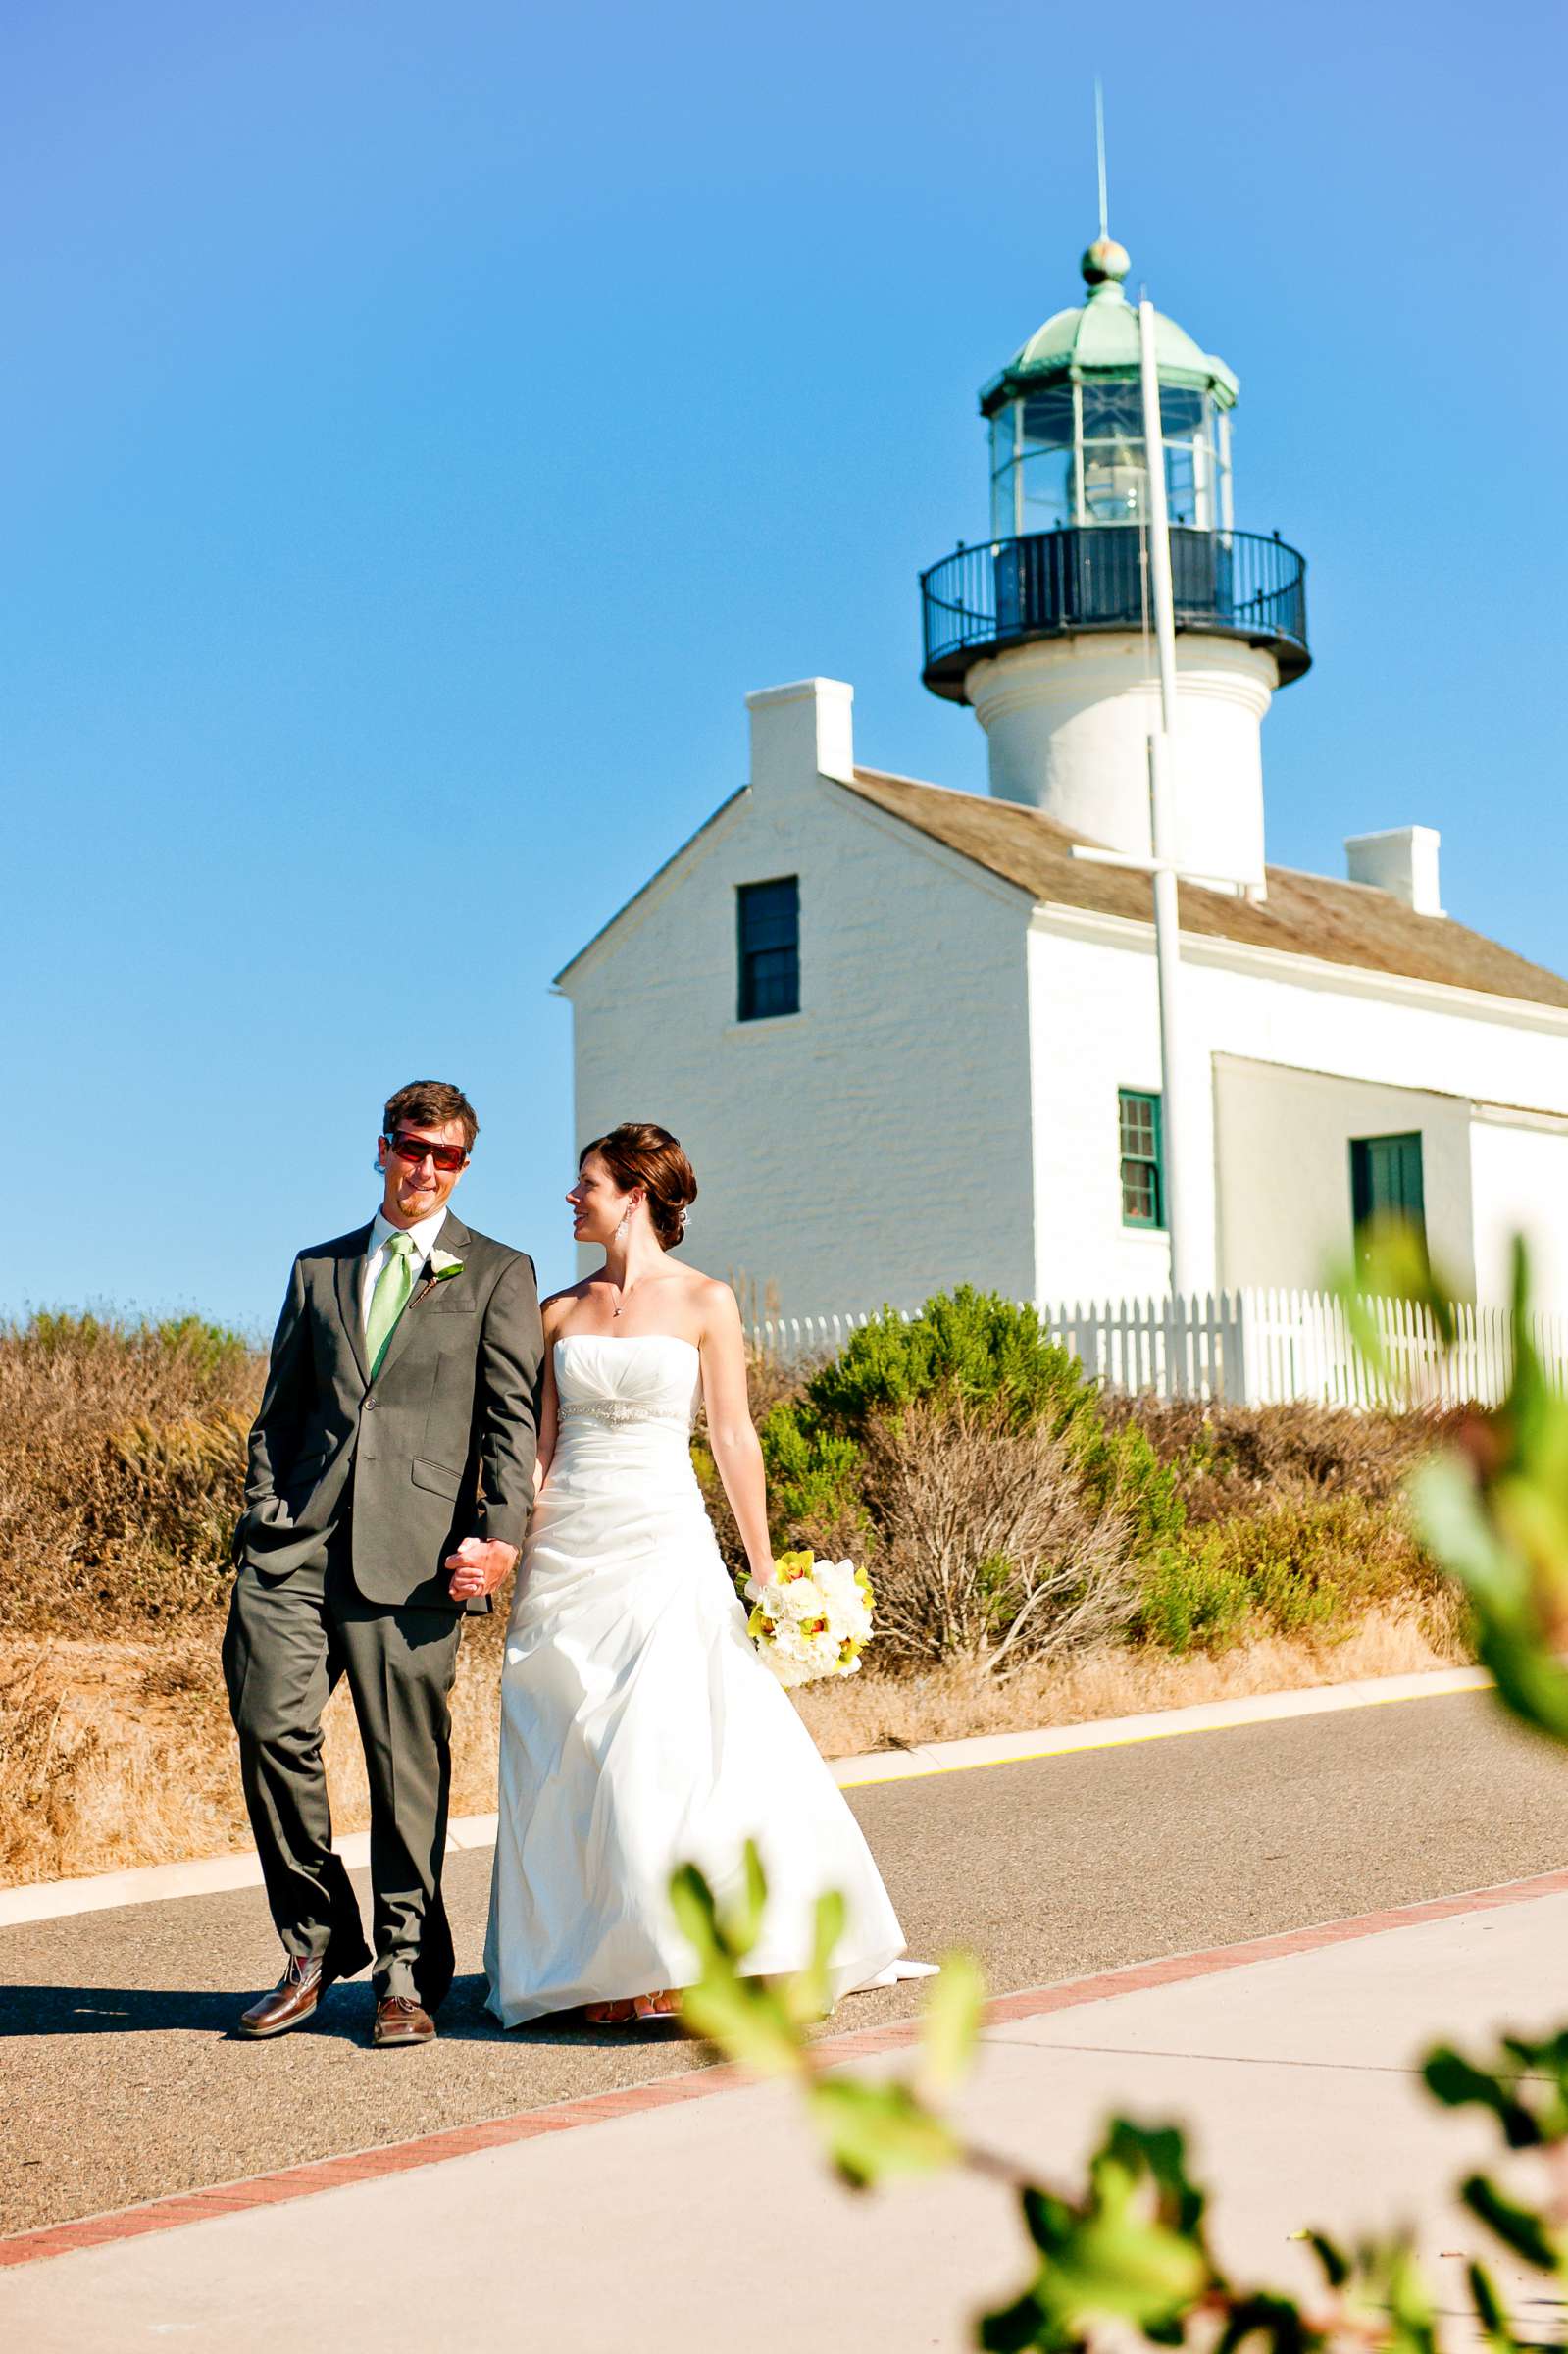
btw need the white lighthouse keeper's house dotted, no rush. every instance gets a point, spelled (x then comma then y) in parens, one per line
(910, 1039)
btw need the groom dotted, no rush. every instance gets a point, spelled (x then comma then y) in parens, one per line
(391, 1472)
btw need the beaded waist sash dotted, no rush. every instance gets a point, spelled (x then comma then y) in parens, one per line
(617, 1410)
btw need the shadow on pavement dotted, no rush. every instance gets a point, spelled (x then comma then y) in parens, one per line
(33, 2010)
(465, 2019)
(42, 2011)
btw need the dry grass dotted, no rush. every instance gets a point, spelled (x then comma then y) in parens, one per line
(119, 1754)
(112, 1755)
(122, 1463)
(122, 1753)
(988, 1551)
(871, 1711)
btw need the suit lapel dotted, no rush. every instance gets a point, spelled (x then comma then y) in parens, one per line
(349, 1282)
(451, 1239)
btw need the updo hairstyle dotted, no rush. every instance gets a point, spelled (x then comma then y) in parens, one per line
(639, 1153)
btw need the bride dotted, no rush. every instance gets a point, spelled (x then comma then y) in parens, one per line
(639, 1730)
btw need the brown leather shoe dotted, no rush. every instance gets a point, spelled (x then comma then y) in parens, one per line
(400, 2021)
(290, 2001)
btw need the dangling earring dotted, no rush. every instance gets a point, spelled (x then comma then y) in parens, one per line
(626, 1220)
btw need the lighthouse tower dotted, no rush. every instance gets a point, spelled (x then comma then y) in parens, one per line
(1047, 629)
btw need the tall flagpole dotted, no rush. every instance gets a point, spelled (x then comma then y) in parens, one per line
(1183, 1106)
(1183, 1198)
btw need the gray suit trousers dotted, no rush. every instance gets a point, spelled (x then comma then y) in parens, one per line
(287, 1642)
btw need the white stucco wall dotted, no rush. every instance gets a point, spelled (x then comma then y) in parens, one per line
(1519, 1180)
(876, 1144)
(1283, 1142)
(1095, 1028)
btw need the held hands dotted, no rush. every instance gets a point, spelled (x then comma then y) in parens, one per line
(478, 1566)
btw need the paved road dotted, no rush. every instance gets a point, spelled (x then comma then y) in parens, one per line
(119, 2081)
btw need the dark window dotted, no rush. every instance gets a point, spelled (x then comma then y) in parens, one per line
(1142, 1165)
(770, 948)
(1386, 1183)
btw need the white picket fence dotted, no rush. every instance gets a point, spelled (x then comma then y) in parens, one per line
(1253, 1348)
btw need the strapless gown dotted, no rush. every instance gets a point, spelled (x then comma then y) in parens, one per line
(639, 1727)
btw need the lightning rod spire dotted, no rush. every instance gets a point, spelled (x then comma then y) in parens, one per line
(1100, 152)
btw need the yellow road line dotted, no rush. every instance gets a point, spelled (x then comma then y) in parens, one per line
(1072, 1740)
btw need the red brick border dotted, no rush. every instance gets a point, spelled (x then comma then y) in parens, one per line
(565, 2117)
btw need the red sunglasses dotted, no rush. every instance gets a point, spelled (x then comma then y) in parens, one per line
(416, 1149)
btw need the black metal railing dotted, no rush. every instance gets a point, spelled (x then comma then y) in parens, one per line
(1094, 577)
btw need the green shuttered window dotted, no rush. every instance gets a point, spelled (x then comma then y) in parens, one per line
(1386, 1182)
(1142, 1161)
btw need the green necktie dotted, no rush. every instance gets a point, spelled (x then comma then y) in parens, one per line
(389, 1299)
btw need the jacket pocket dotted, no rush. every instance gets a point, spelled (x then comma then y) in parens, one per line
(437, 1477)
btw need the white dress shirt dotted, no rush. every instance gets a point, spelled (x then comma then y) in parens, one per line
(423, 1237)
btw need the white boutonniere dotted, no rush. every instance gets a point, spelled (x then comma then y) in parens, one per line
(438, 1268)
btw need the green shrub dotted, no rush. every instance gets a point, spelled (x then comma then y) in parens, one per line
(1294, 1568)
(967, 1351)
(814, 1483)
(969, 1348)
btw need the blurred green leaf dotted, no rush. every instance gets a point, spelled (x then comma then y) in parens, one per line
(1458, 2083)
(1021, 2327)
(1275, 2319)
(873, 2131)
(1409, 2305)
(695, 1912)
(1525, 2086)
(1496, 2324)
(1116, 2255)
(746, 2017)
(1518, 2228)
(1119, 2265)
(1334, 2262)
(743, 1919)
(1162, 2150)
(949, 2025)
(1493, 1510)
(746, 2021)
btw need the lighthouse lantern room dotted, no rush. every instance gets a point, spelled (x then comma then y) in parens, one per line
(1047, 629)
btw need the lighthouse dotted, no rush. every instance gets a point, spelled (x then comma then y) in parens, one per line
(1047, 629)
(1183, 1074)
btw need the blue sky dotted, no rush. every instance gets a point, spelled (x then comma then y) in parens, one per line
(419, 428)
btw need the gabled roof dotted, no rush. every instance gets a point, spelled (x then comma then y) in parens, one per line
(653, 880)
(1303, 915)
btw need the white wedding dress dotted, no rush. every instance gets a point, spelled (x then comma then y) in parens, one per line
(639, 1730)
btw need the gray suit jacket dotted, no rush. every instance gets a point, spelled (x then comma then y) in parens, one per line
(442, 1446)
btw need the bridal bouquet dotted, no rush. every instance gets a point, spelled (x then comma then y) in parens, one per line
(810, 1618)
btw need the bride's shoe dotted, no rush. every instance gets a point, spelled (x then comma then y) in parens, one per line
(666, 2004)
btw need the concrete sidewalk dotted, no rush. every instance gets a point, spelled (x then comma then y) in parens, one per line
(698, 2216)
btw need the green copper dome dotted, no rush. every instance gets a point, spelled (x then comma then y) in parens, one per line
(1100, 339)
